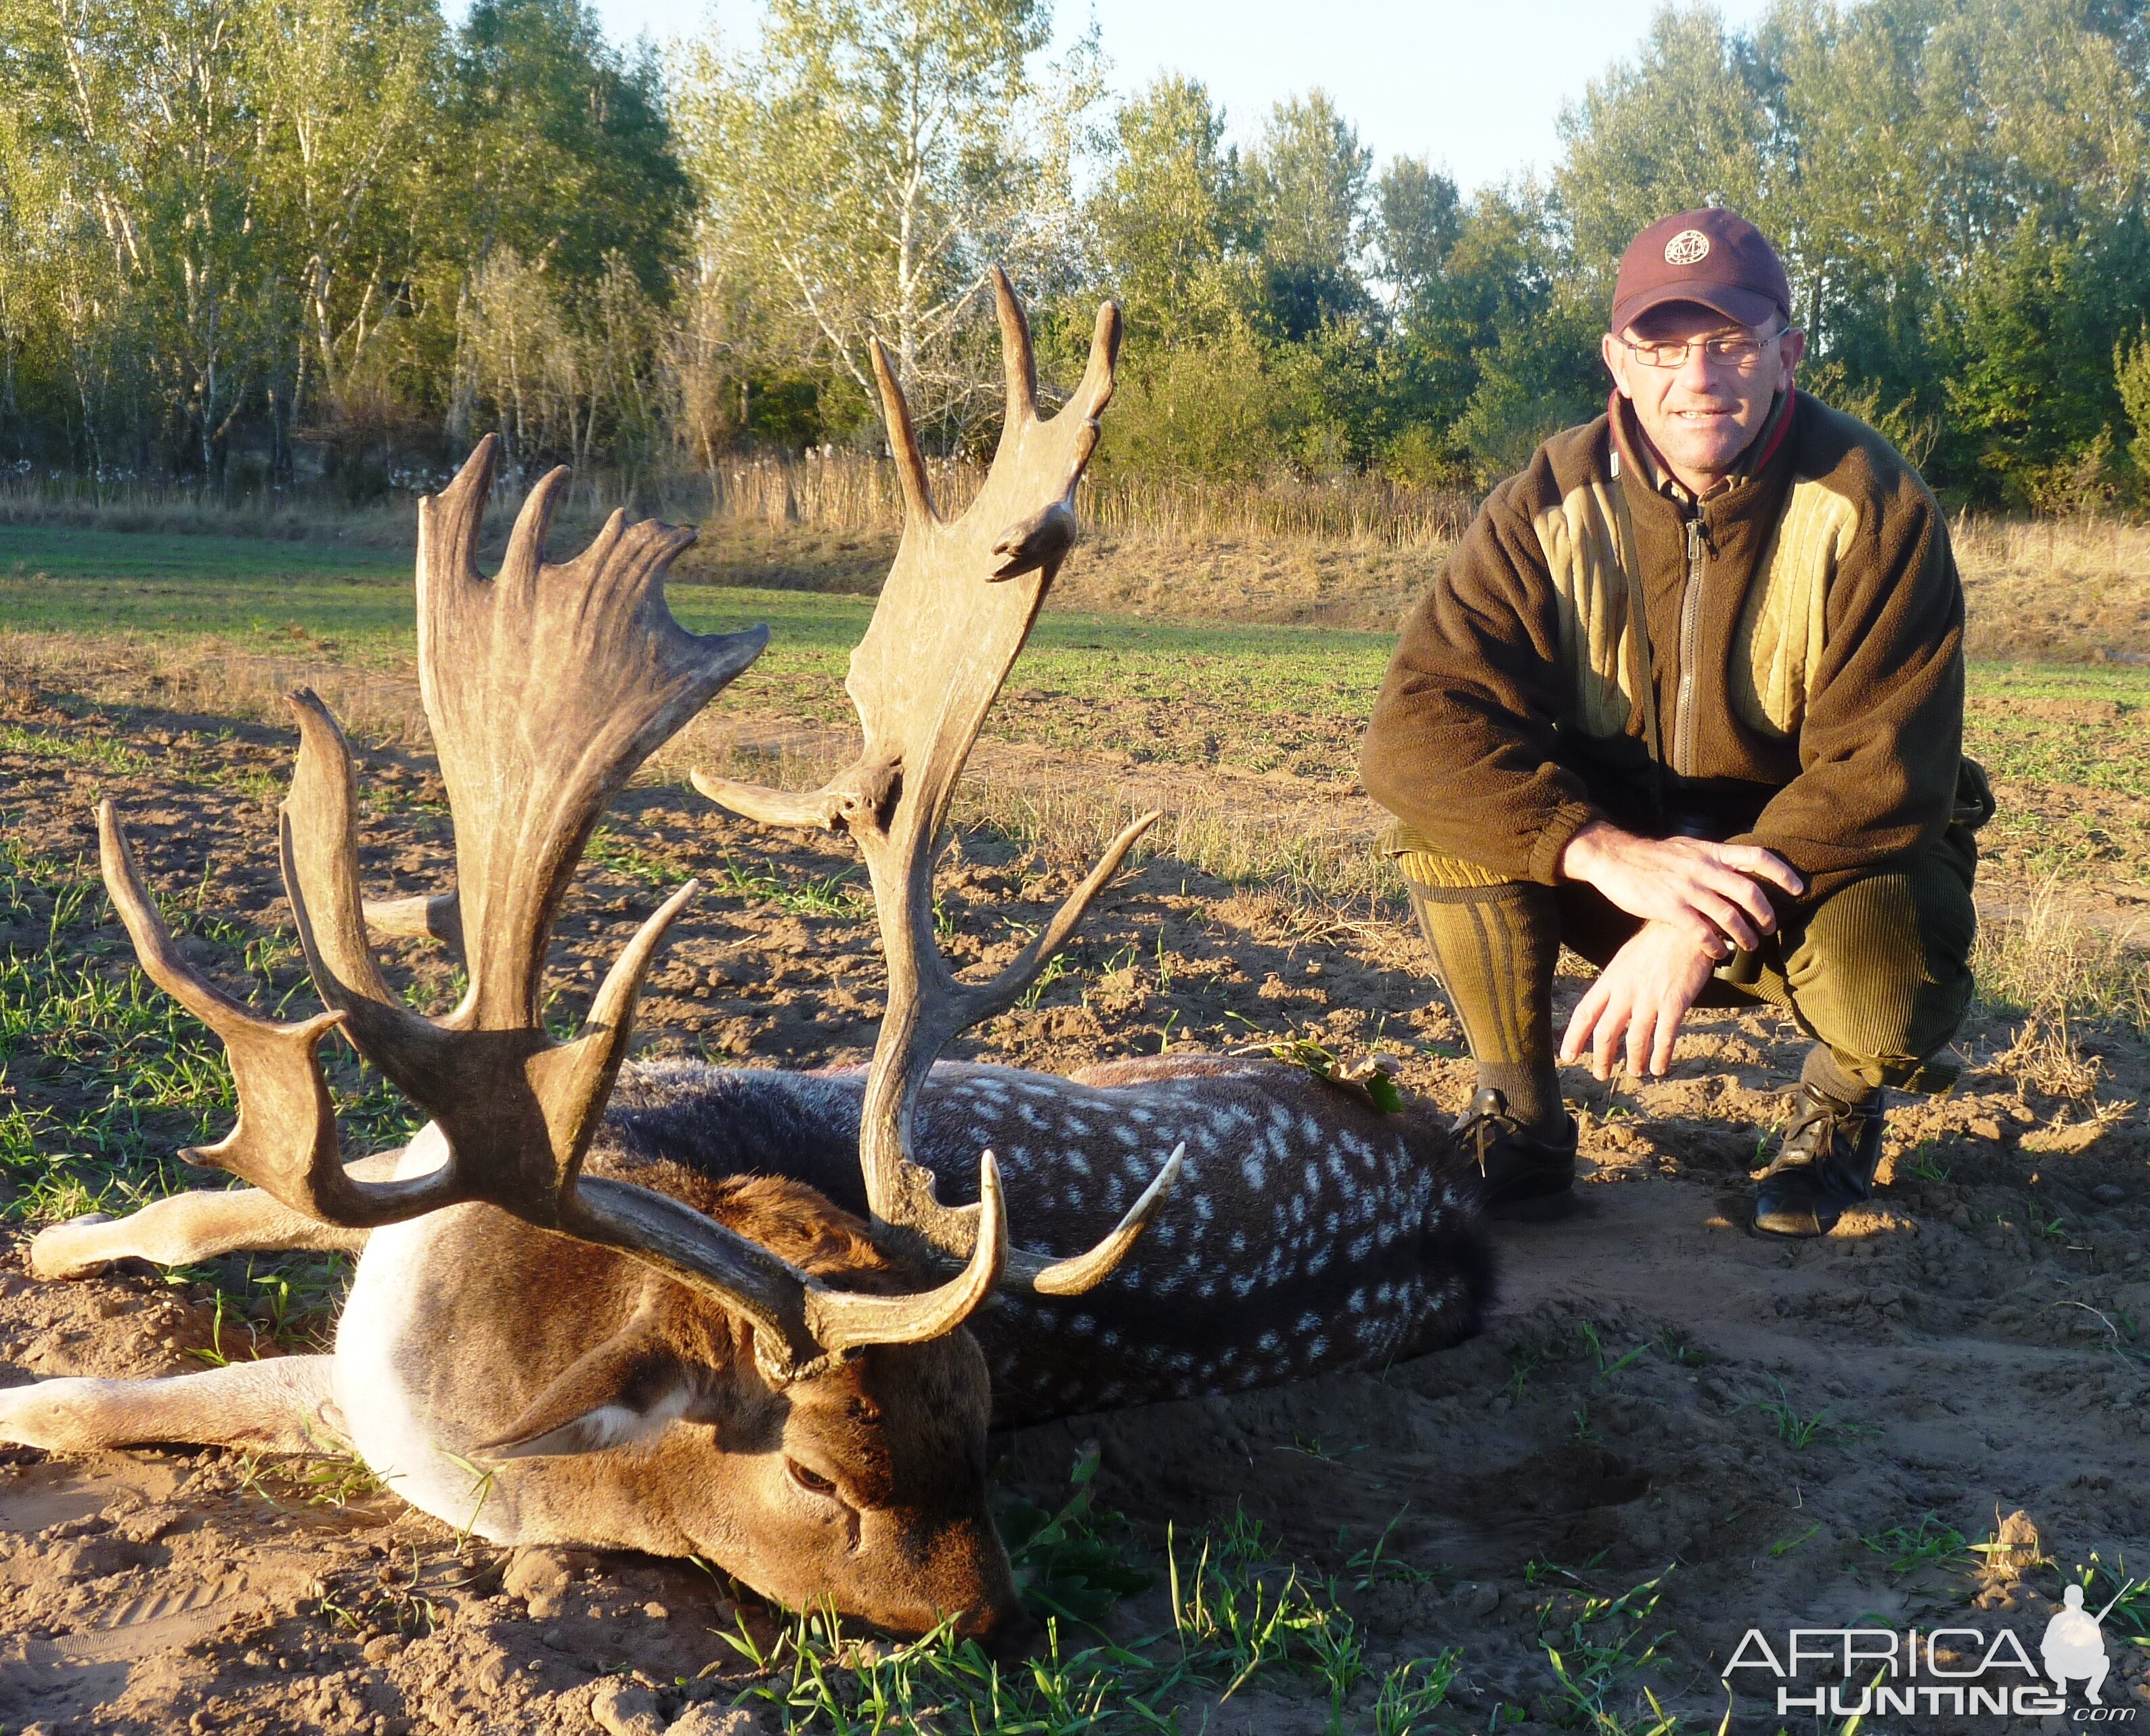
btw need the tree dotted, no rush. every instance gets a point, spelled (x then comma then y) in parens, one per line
(1687, 124)
(148, 127)
(1419, 217)
(2130, 369)
(351, 93)
(1170, 211)
(1310, 177)
(563, 152)
(875, 156)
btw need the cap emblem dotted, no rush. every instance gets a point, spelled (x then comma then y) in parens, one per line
(1689, 247)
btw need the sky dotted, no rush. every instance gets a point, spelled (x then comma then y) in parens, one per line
(1475, 87)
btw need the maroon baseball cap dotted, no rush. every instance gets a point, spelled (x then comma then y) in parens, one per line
(1711, 256)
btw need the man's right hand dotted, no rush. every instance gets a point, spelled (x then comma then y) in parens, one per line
(1710, 890)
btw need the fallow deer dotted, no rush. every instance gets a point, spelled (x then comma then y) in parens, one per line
(728, 1312)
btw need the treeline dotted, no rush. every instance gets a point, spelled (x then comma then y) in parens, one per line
(252, 242)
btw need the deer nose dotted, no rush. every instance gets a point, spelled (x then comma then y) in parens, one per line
(964, 1569)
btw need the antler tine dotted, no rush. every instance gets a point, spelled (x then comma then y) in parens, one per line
(952, 617)
(423, 917)
(903, 441)
(573, 1081)
(1099, 375)
(981, 1002)
(1085, 1272)
(524, 557)
(284, 1140)
(1017, 359)
(849, 1319)
(449, 522)
(318, 835)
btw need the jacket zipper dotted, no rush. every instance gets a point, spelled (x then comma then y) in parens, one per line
(1690, 618)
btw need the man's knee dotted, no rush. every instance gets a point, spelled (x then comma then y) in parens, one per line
(1881, 971)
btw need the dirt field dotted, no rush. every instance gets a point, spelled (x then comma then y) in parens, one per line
(1670, 1432)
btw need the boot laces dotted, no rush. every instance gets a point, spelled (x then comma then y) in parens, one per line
(1825, 1134)
(1483, 1125)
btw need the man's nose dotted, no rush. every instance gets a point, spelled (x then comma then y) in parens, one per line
(1695, 373)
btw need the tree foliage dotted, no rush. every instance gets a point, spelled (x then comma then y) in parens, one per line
(246, 239)
(862, 169)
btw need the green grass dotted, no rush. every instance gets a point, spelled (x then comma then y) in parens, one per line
(103, 1077)
(1801, 1432)
(1599, 1648)
(1236, 1615)
(2037, 748)
(1928, 1543)
(1259, 697)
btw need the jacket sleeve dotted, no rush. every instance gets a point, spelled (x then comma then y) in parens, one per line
(1460, 747)
(1882, 738)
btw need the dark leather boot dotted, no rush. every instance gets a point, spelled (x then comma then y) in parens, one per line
(1825, 1165)
(1516, 1164)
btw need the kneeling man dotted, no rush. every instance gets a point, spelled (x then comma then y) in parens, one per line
(1688, 697)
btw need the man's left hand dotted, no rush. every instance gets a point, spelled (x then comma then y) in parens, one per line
(1642, 996)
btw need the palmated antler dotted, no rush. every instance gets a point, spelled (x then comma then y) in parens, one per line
(545, 689)
(952, 617)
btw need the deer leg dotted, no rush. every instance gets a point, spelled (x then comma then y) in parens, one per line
(190, 1227)
(282, 1404)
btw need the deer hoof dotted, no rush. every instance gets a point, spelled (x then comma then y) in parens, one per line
(56, 1252)
(45, 1415)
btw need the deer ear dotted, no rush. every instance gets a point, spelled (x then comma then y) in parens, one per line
(630, 1389)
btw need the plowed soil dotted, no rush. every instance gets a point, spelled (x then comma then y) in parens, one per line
(1774, 1435)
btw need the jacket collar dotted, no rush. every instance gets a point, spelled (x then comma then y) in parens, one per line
(1630, 446)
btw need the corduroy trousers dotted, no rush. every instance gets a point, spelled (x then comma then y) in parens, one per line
(1879, 969)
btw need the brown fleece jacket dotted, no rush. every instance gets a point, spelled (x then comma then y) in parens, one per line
(1818, 631)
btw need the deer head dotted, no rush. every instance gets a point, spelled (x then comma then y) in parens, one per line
(848, 1408)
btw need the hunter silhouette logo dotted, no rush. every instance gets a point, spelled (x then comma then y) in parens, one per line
(2074, 1646)
(1689, 247)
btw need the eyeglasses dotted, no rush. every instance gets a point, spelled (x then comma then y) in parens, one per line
(1734, 350)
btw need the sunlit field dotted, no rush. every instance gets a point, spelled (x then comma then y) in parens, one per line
(1538, 1531)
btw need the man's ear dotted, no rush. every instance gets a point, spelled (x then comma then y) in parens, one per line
(630, 1389)
(1794, 349)
(1615, 359)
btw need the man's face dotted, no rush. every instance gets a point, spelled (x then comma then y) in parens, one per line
(1701, 415)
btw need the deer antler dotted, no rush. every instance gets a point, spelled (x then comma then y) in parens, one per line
(545, 688)
(952, 617)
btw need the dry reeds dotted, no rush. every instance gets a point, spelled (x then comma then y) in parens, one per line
(2057, 969)
(850, 494)
(303, 515)
(164, 509)
(2075, 588)
(2044, 956)
(1355, 511)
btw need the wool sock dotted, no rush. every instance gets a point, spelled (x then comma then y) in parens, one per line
(1496, 947)
(1827, 1074)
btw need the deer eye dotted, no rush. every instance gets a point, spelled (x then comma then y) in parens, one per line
(810, 1481)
